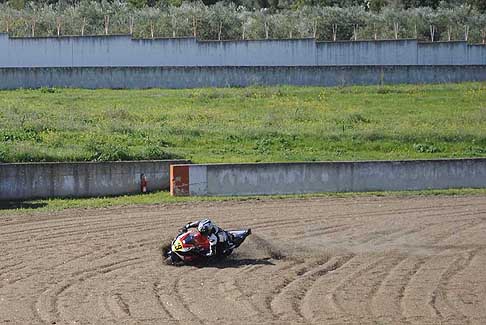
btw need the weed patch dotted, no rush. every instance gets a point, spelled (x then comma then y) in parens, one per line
(424, 147)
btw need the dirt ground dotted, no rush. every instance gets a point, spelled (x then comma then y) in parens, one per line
(379, 260)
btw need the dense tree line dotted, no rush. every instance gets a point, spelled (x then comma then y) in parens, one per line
(229, 21)
(280, 4)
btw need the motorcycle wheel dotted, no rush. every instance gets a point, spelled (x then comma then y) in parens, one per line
(172, 259)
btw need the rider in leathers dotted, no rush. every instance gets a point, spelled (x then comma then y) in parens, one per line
(218, 238)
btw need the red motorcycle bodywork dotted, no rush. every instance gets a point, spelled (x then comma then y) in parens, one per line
(193, 239)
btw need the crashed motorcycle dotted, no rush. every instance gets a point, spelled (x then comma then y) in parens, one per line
(190, 247)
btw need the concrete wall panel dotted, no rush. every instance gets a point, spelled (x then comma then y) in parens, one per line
(198, 177)
(443, 53)
(476, 54)
(403, 52)
(42, 180)
(297, 178)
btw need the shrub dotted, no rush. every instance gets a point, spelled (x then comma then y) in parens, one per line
(49, 90)
(156, 153)
(425, 148)
(101, 151)
(4, 154)
(263, 145)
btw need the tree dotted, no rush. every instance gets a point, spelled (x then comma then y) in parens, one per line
(16, 4)
(375, 6)
(481, 26)
(179, 22)
(394, 22)
(463, 14)
(195, 13)
(307, 21)
(138, 4)
(223, 22)
(374, 27)
(285, 24)
(480, 5)
(92, 16)
(329, 23)
(7, 18)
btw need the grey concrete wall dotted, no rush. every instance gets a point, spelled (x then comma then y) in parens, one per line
(443, 53)
(476, 54)
(24, 181)
(294, 178)
(403, 52)
(123, 51)
(192, 77)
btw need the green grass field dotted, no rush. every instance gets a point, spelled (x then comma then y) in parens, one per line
(244, 124)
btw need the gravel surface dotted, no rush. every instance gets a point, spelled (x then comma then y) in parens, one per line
(380, 260)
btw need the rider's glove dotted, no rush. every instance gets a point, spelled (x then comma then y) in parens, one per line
(184, 228)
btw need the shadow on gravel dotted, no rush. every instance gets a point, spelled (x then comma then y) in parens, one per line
(236, 263)
(229, 263)
(12, 205)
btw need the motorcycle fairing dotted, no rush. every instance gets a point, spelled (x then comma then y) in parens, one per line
(186, 243)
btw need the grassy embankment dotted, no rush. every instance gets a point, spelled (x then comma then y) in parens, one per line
(244, 124)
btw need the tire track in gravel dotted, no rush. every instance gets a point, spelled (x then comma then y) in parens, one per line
(74, 231)
(419, 303)
(386, 304)
(287, 304)
(120, 297)
(164, 301)
(6, 268)
(21, 277)
(466, 295)
(345, 216)
(252, 273)
(338, 294)
(116, 306)
(46, 306)
(368, 237)
(95, 255)
(340, 217)
(440, 296)
(332, 265)
(87, 219)
(330, 305)
(92, 257)
(458, 230)
(115, 301)
(319, 231)
(225, 282)
(372, 281)
(175, 301)
(25, 266)
(279, 279)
